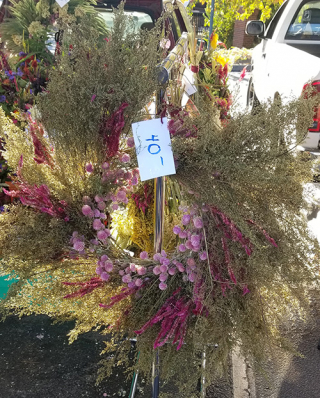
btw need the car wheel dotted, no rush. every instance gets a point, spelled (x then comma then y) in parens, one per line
(252, 100)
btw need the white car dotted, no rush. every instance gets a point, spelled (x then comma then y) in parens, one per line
(288, 57)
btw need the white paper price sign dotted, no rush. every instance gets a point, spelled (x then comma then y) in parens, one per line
(153, 146)
(62, 2)
(188, 82)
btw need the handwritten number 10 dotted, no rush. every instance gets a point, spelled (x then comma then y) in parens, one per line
(157, 148)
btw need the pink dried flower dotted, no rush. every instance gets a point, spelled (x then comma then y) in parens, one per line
(104, 258)
(121, 272)
(141, 270)
(182, 248)
(172, 271)
(196, 248)
(180, 267)
(157, 257)
(189, 245)
(97, 224)
(162, 286)
(121, 196)
(195, 240)
(79, 246)
(163, 277)
(132, 267)
(125, 158)
(105, 165)
(86, 210)
(98, 198)
(156, 270)
(89, 168)
(126, 278)
(197, 222)
(163, 268)
(192, 277)
(99, 270)
(176, 230)
(183, 235)
(115, 206)
(144, 255)
(186, 219)
(108, 266)
(96, 213)
(130, 142)
(105, 276)
(102, 234)
(134, 180)
(191, 262)
(127, 175)
(101, 205)
(203, 256)
(138, 282)
(165, 261)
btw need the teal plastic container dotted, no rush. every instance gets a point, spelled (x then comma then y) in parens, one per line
(4, 286)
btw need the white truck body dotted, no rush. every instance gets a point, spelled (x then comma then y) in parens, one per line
(288, 56)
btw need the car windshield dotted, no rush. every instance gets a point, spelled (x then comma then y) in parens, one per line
(306, 23)
(141, 20)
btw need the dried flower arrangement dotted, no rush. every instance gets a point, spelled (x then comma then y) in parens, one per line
(238, 253)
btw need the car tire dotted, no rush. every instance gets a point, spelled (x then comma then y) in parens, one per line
(252, 100)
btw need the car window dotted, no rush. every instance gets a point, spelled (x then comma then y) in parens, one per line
(141, 20)
(306, 22)
(275, 20)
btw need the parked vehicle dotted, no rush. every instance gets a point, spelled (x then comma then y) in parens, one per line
(288, 57)
(146, 12)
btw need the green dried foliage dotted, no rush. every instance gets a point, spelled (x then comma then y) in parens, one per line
(94, 79)
(248, 170)
(31, 23)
